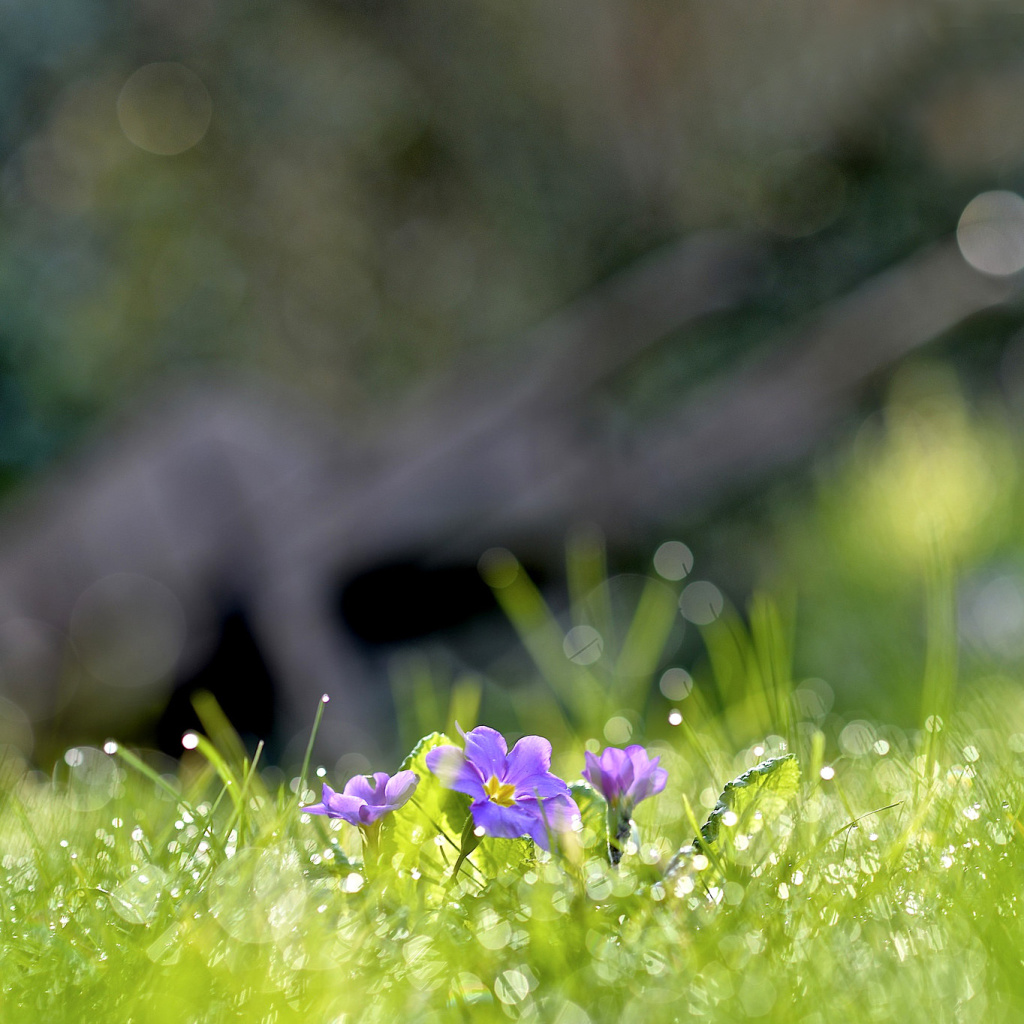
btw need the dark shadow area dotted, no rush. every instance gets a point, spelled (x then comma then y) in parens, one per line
(405, 600)
(237, 676)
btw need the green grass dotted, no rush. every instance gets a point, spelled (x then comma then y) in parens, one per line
(886, 892)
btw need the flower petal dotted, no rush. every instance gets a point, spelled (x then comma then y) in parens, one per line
(611, 773)
(505, 822)
(449, 764)
(371, 813)
(530, 758)
(345, 807)
(362, 787)
(486, 748)
(648, 778)
(399, 788)
(551, 817)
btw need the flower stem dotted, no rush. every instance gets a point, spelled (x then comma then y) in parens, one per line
(371, 848)
(470, 841)
(619, 827)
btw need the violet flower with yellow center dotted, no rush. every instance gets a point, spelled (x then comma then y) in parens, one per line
(513, 792)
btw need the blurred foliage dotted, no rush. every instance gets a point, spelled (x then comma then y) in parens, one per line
(350, 195)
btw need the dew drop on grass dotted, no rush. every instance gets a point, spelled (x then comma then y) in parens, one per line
(828, 773)
(675, 717)
(137, 897)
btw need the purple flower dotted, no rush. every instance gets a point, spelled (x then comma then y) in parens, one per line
(625, 777)
(513, 793)
(367, 798)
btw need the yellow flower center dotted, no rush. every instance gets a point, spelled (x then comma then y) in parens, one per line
(501, 793)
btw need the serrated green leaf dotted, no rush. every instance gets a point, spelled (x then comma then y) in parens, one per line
(742, 828)
(760, 793)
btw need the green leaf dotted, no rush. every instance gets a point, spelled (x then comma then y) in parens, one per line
(593, 810)
(503, 859)
(760, 794)
(744, 826)
(420, 841)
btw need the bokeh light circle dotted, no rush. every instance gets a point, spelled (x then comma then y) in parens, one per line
(673, 560)
(701, 603)
(129, 630)
(164, 108)
(991, 233)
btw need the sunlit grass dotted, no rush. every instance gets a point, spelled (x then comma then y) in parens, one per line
(879, 883)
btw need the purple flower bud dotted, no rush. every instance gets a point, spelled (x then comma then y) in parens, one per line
(625, 777)
(366, 798)
(513, 793)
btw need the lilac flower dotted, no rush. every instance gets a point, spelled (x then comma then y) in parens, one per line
(367, 798)
(513, 793)
(625, 777)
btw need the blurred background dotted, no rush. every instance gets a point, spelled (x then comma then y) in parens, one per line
(305, 307)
